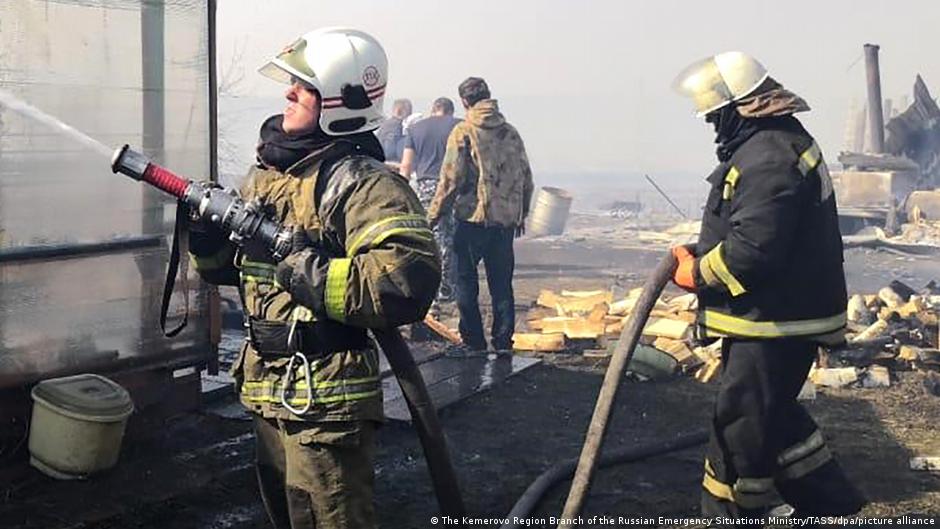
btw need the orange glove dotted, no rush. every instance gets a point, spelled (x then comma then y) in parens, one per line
(684, 275)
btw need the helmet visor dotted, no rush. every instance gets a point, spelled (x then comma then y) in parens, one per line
(291, 62)
(703, 83)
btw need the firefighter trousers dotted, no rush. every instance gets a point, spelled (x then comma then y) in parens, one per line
(316, 475)
(764, 446)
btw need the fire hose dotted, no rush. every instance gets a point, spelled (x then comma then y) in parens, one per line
(589, 460)
(245, 222)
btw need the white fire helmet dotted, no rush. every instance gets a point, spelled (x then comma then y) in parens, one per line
(716, 81)
(347, 67)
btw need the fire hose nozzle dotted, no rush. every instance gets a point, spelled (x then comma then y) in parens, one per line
(129, 162)
(221, 207)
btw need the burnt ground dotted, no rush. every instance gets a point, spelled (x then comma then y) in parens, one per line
(194, 470)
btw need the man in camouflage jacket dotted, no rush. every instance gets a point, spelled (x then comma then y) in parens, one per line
(487, 182)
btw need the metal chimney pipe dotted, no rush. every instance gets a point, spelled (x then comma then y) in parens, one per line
(875, 113)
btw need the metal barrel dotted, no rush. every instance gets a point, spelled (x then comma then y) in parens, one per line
(550, 212)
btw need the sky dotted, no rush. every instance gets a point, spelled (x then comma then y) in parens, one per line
(588, 83)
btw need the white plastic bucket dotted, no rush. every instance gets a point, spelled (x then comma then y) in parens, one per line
(77, 425)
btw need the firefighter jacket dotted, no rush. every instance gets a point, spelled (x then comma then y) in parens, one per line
(485, 176)
(383, 272)
(769, 256)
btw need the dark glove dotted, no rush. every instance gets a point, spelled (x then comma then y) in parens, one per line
(519, 231)
(303, 275)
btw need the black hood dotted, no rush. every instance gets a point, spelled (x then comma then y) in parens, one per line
(732, 129)
(280, 150)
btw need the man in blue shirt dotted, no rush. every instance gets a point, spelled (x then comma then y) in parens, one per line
(425, 145)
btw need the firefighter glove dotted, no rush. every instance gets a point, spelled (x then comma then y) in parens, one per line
(684, 276)
(303, 275)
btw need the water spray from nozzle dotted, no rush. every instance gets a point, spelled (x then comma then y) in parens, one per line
(10, 101)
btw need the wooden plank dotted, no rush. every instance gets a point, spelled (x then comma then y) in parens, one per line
(677, 348)
(442, 330)
(535, 314)
(909, 353)
(534, 325)
(709, 353)
(583, 293)
(622, 307)
(912, 307)
(876, 377)
(569, 304)
(708, 371)
(625, 306)
(667, 328)
(538, 342)
(614, 329)
(598, 313)
(872, 331)
(685, 302)
(835, 377)
(573, 327)
(925, 463)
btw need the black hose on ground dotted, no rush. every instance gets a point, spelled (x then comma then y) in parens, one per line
(425, 420)
(529, 500)
(619, 361)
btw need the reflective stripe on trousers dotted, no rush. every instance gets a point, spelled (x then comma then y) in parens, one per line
(719, 324)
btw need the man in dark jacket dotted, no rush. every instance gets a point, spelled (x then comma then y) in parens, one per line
(768, 272)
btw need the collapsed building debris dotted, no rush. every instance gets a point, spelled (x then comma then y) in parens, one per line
(893, 329)
(899, 176)
(915, 133)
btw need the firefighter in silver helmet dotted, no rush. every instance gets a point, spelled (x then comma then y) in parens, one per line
(767, 270)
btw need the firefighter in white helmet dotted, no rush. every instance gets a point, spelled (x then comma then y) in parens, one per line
(767, 269)
(363, 257)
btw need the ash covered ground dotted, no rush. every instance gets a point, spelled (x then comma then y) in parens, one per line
(195, 470)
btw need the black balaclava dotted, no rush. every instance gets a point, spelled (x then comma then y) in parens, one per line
(731, 130)
(280, 150)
